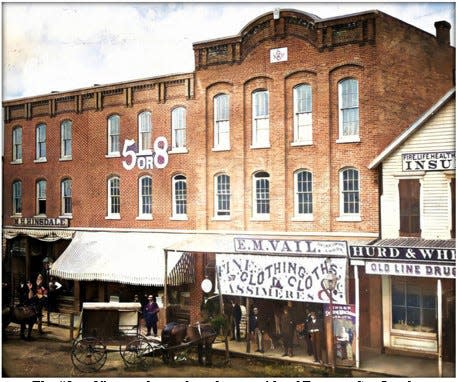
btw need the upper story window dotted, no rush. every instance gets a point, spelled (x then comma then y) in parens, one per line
(41, 197)
(145, 197)
(114, 198)
(302, 114)
(349, 194)
(260, 100)
(179, 128)
(66, 197)
(41, 142)
(261, 195)
(409, 207)
(303, 197)
(113, 135)
(221, 122)
(17, 197)
(66, 139)
(17, 144)
(179, 197)
(222, 195)
(144, 132)
(348, 110)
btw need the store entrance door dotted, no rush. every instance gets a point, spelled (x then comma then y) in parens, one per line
(448, 325)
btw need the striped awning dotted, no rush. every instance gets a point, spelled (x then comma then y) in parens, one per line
(48, 235)
(135, 258)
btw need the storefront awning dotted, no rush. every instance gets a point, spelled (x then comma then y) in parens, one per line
(48, 235)
(127, 257)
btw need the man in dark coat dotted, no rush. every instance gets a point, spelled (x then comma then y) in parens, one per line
(236, 318)
(315, 328)
(255, 329)
(287, 329)
(150, 312)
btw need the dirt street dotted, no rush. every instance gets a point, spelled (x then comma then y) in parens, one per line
(44, 357)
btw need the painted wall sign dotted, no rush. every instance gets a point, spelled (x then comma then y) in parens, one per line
(280, 277)
(278, 55)
(411, 269)
(435, 161)
(289, 246)
(42, 222)
(157, 158)
(402, 253)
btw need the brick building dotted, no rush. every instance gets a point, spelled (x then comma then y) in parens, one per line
(269, 138)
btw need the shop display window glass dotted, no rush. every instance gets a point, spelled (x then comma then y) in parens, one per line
(414, 307)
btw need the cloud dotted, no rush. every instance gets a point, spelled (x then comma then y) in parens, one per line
(65, 46)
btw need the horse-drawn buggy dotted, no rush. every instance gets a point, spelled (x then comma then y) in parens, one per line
(116, 325)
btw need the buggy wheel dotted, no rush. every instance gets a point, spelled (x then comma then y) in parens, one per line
(138, 352)
(88, 354)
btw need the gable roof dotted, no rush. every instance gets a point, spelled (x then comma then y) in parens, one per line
(412, 129)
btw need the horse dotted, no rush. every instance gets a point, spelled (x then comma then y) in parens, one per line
(175, 334)
(26, 315)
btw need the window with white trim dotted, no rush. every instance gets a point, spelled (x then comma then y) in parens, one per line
(221, 122)
(114, 198)
(348, 110)
(303, 197)
(144, 132)
(114, 130)
(66, 139)
(66, 195)
(222, 195)
(261, 195)
(179, 128)
(17, 197)
(349, 192)
(17, 144)
(179, 196)
(41, 197)
(260, 100)
(302, 114)
(145, 197)
(40, 142)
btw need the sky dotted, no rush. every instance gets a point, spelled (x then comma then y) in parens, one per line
(64, 46)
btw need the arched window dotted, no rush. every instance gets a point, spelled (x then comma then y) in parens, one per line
(222, 195)
(66, 139)
(349, 192)
(179, 128)
(303, 197)
(144, 131)
(261, 195)
(302, 132)
(17, 197)
(179, 196)
(348, 110)
(114, 198)
(113, 134)
(221, 122)
(260, 101)
(66, 195)
(41, 197)
(145, 197)
(17, 144)
(40, 137)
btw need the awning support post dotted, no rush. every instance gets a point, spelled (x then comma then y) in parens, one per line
(439, 327)
(357, 314)
(165, 285)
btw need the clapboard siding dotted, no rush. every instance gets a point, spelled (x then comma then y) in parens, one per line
(437, 134)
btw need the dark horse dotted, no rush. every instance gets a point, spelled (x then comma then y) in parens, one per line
(175, 334)
(23, 315)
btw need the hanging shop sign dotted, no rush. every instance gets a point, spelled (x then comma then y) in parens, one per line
(434, 161)
(156, 158)
(368, 252)
(344, 325)
(281, 277)
(410, 269)
(41, 222)
(289, 246)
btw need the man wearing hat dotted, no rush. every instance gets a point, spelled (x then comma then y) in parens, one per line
(150, 312)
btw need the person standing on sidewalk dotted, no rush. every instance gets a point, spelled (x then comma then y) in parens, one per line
(287, 329)
(236, 318)
(314, 329)
(150, 312)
